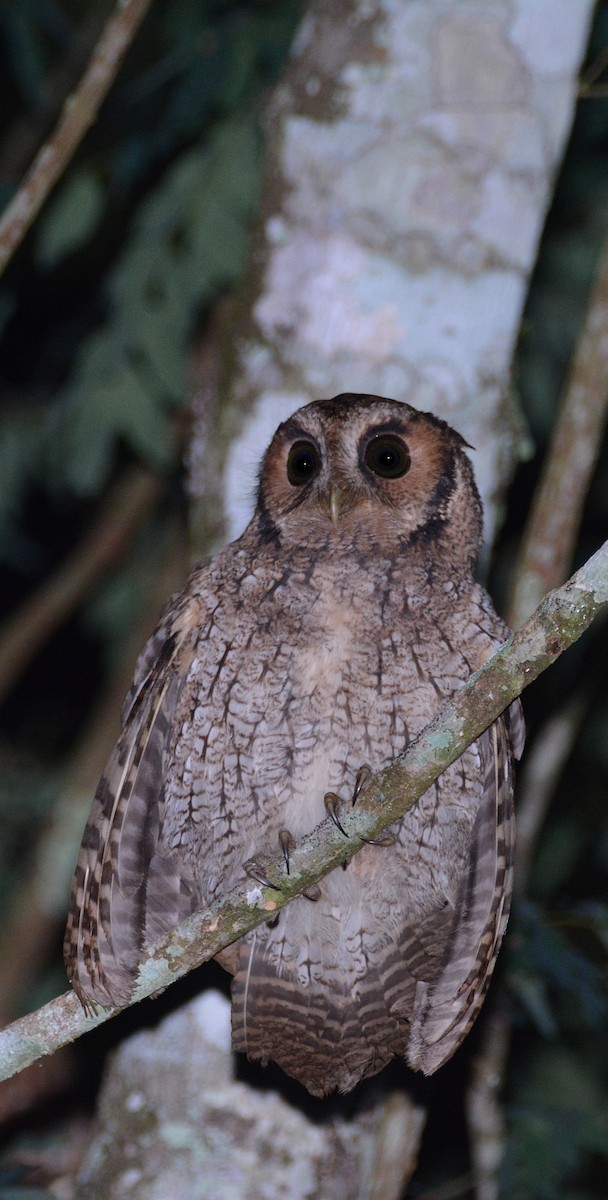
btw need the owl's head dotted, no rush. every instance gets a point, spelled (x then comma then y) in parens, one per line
(369, 471)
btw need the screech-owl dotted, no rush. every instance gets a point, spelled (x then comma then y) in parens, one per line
(323, 639)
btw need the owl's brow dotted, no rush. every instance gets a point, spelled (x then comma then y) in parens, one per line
(292, 431)
(397, 426)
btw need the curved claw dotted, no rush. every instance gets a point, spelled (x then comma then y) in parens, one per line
(333, 805)
(287, 843)
(363, 775)
(256, 872)
(385, 839)
(313, 893)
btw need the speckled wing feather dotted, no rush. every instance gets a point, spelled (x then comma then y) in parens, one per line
(447, 1006)
(124, 892)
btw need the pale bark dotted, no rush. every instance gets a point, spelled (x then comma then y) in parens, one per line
(412, 152)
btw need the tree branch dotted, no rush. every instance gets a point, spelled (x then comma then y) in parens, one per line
(79, 112)
(128, 504)
(552, 527)
(29, 927)
(546, 552)
(560, 620)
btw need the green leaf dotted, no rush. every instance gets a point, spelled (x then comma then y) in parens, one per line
(555, 982)
(557, 1115)
(119, 407)
(71, 218)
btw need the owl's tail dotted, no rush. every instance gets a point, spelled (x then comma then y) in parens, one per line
(326, 1039)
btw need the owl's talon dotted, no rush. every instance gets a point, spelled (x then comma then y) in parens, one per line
(333, 805)
(363, 775)
(385, 839)
(288, 844)
(313, 893)
(253, 869)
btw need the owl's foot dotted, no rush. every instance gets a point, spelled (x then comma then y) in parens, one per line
(333, 804)
(364, 775)
(254, 869)
(287, 843)
(312, 893)
(385, 839)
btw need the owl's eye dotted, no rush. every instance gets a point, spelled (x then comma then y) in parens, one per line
(387, 456)
(303, 463)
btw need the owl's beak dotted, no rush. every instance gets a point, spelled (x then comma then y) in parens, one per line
(338, 501)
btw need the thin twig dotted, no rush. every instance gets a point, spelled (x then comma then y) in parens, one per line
(560, 621)
(79, 113)
(540, 775)
(22, 634)
(485, 1116)
(484, 1110)
(552, 528)
(21, 140)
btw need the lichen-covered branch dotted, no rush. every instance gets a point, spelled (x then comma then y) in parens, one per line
(560, 620)
(79, 112)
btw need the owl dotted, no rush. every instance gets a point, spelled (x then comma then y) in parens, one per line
(308, 652)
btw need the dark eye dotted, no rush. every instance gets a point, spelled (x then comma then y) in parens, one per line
(303, 463)
(387, 456)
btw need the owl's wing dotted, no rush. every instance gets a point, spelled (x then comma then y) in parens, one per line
(111, 906)
(446, 1007)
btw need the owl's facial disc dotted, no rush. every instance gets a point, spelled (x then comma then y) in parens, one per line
(367, 470)
(339, 482)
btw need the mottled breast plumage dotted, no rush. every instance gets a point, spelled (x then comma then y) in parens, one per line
(325, 638)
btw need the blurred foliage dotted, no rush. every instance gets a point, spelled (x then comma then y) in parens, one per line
(149, 226)
(189, 240)
(556, 961)
(29, 30)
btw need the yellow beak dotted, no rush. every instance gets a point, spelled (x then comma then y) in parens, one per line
(337, 502)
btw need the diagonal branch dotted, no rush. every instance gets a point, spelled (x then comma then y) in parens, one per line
(129, 502)
(546, 552)
(79, 113)
(552, 528)
(559, 621)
